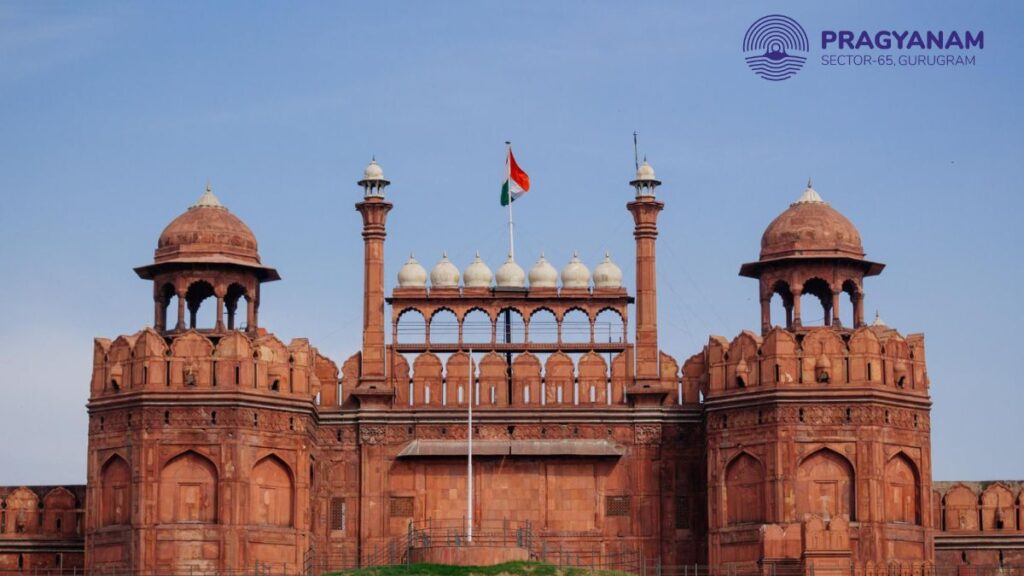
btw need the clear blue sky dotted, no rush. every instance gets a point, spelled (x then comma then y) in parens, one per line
(114, 116)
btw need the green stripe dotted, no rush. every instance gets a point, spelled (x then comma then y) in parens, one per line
(504, 194)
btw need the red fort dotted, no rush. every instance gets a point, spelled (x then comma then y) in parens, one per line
(222, 448)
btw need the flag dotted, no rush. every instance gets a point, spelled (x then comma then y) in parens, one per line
(516, 183)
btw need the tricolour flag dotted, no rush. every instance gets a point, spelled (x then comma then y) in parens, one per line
(516, 183)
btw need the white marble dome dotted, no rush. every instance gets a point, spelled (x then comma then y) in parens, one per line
(477, 274)
(444, 274)
(575, 274)
(510, 275)
(543, 274)
(373, 171)
(607, 274)
(412, 275)
(645, 172)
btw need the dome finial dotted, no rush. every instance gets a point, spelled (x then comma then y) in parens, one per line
(208, 200)
(810, 183)
(810, 196)
(878, 320)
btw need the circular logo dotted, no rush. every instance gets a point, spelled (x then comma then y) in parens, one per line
(776, 47)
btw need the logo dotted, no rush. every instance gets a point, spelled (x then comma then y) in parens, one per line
(776, 47)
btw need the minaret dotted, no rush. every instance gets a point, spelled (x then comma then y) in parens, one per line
(645, 209)
(374, 209)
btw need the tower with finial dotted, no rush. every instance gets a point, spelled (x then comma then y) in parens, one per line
(645, 209)
(371, 388)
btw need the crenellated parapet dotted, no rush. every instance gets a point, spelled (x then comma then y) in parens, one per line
(818, 359)
(260, 364)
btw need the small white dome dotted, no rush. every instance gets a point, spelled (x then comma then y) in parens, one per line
(373, 171)
(543, 274)
(607, 274)
(444, 274)
(412, 275)
(645, 172)
(477, 274)
(575, 274)
(510, 275)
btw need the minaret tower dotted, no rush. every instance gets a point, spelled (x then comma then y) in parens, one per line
(374, 209)
(645, 209)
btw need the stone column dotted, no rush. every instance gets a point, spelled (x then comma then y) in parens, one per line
(159, 314)
(835, 308)
(250, 313)
(645, 211)
(181, 312)
(220, 313)
(796, 307)
(374, 210)
(858, 310)
(766, 315)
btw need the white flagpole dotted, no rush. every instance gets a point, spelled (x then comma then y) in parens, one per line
(469, 453)
(508, 178)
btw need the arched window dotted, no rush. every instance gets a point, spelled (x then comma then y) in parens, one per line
(272, 493)
(195, 295)
(444, 327)
(510, 327)
(744, 490)
(188, 490)
(575, 327)
(476, 329)
(411, 327)
(543, 326)
(233, 296)
(816, 303)
(781, 305)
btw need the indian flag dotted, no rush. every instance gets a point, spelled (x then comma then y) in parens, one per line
(516, 183)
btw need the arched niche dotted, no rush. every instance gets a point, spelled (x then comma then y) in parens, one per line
(744, 490)
(188, 490)
(115, 492)
(961, 505)
(825, 486)
(272, 493)
(525, 380)
(903, 491)
(559, 379)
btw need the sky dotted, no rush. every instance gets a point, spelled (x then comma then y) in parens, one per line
(114, 116)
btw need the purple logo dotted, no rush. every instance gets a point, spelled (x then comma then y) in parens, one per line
(776, 47)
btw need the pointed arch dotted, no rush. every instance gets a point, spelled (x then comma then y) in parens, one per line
(902, 490)
(744, 490)
(115, 492)
(272, 493)
(826, 484)
(961, 505)
(188, 489)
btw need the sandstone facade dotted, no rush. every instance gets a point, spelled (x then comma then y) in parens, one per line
(218, 448)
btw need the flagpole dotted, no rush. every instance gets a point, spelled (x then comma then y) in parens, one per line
(508, 178)
(469, 453)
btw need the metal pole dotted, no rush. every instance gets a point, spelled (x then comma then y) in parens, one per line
(508, 181)
(469, 453)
